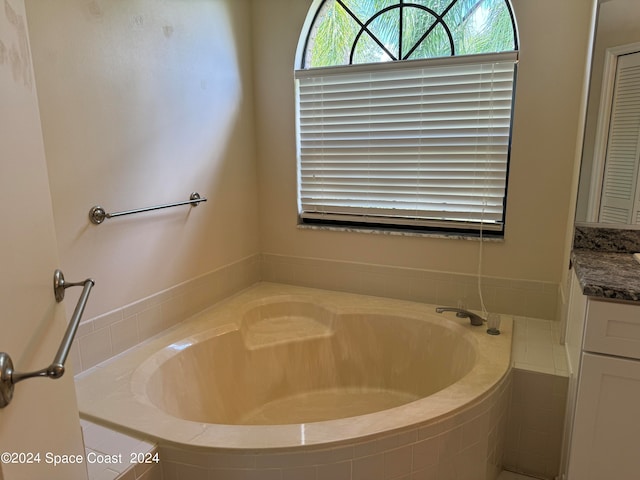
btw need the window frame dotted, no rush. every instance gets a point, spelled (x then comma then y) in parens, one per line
(444, 227)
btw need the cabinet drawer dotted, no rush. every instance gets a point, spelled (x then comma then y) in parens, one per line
(613, 328)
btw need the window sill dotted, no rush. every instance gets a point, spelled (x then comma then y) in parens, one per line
(401, 233)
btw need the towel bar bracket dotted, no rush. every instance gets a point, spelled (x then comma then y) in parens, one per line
(9, 377)
(6, 380)
(97, 215)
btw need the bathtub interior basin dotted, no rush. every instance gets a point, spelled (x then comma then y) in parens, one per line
(294, 360)
(277, 367)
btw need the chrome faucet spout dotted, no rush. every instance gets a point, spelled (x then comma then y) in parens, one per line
(476, 320)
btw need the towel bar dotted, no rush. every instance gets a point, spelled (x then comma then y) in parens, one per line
(97, 214)
(9, 377)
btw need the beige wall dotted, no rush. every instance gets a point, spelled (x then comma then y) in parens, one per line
(143, 102)
(43, 415)
(554, 41)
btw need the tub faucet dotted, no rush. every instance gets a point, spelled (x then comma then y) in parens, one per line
(476, 320)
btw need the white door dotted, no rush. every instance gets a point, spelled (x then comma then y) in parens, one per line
(619, 188)
(42, 419)
(606, 424)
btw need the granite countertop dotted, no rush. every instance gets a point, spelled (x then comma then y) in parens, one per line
(603, 262)
(607, 274)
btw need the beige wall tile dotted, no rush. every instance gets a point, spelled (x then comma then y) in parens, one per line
(95, 347)
(124, 334)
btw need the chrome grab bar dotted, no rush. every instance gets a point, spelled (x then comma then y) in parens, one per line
(97, 214)
(9, 377)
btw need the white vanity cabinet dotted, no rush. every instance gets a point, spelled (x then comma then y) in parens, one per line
(605, 432)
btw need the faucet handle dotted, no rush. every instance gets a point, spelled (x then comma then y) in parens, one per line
(493, 324)
(476, 320)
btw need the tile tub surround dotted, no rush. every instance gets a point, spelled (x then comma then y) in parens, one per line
(112, 333)
(138, 457)
(535, 423)
(511, 296)
(376, 440)
(537, 347)
(108, 335)
(538, 399)
(466, 446)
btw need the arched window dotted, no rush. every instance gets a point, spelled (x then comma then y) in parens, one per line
(404, 112)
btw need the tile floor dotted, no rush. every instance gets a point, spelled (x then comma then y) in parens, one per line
(513, 476)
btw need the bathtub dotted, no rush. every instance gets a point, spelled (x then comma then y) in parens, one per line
(288, 382)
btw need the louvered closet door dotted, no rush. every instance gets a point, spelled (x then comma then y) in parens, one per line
(620, 193)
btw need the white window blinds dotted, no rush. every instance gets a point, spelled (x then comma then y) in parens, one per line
(414, 143)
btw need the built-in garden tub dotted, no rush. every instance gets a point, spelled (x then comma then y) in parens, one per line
(283, 382)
